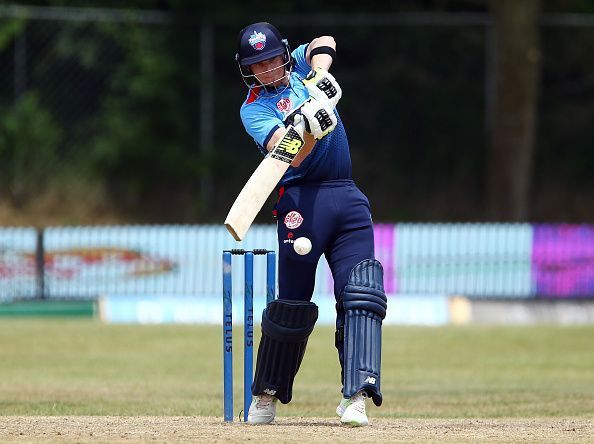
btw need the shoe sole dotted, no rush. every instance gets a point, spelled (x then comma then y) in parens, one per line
(354, 423)
(260, 422)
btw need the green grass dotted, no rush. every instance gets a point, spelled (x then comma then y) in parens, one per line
(82, 367)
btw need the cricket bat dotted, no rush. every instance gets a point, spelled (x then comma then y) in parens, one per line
(262, 182)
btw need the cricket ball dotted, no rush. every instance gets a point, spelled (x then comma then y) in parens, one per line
(302, 246)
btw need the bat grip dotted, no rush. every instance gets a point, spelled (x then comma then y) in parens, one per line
(300, 127)
(290, 119)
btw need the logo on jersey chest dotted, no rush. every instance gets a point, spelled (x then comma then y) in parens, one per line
(293, 220)
(284, 104)
(257, 40)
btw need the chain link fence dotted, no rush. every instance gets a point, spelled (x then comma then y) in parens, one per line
(137, 111)
(81, 93)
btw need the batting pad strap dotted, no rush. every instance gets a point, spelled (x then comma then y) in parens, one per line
(286, 326)
(365, 306)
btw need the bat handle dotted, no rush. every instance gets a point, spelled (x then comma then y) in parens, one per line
(290, 119)
(300, 127)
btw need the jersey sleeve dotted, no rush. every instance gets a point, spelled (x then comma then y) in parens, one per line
(260, 123)
(301, 66)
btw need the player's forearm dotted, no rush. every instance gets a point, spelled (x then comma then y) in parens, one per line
(276, 137)
(323, 61)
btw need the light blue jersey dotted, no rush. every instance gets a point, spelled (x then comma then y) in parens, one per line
(263, 112)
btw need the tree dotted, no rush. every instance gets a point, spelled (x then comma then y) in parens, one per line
(512, 101)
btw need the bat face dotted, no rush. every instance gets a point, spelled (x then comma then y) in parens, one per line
(262, 182)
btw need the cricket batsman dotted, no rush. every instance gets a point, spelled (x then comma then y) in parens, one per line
(319, 201)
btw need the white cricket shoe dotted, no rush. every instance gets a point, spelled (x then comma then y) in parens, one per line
(262, 410)
(353, 410)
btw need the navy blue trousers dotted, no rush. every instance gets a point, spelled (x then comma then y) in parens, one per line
(336, 217)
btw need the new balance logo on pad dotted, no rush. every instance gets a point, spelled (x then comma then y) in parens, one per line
(270, 392)
(370, 380)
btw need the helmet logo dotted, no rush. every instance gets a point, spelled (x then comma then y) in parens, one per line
(257, 40)
(284, 104)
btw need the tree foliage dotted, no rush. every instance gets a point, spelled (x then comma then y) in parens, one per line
(29, 141)
(120, 101)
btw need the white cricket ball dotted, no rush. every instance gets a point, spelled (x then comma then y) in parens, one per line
(302, 245)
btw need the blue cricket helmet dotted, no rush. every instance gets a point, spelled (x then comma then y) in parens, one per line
(258, 42)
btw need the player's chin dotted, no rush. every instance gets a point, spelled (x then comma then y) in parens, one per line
(273, 81)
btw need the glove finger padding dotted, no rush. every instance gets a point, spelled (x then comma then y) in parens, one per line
(323, 86)
(320, 118)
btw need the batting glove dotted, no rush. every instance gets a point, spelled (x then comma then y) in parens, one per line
(323, 86)
(319, 117)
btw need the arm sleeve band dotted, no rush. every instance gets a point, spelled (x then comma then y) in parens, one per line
(323, 50)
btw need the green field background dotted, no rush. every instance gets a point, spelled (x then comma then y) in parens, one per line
(82, 367)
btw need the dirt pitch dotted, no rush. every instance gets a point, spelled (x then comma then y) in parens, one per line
(211, 429)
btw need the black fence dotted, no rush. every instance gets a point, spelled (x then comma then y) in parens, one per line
(135, 111)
